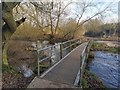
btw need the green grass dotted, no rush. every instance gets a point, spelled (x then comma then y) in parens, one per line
(98, 46)
(8, 68)
(113, 50)
(103, 47)
(84, 83)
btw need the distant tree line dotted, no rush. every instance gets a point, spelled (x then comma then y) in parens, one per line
(95, 29)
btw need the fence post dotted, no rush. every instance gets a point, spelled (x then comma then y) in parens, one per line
(61, 53)
(51, 56)
(38, 64)
(80, 70)
(37, 45)
(78, 43)
(70, 45)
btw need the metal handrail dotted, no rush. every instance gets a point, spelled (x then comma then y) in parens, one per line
(69, 41)
(83, 57)
(44, 48)
(60, 50)
(44, 59)
(70, 46)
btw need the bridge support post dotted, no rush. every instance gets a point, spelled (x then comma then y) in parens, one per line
(37, 45)
(70, 46)
(38, 65)
(81, 71)
(61, 53)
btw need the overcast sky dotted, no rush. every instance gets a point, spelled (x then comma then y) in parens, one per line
(111, 16)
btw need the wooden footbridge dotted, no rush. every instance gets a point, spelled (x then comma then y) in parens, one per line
(67, 71)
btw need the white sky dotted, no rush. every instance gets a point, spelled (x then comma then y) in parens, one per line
(108, 17)
(111, 16)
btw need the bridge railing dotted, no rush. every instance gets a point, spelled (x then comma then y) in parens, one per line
(83, 58)
(47, 55)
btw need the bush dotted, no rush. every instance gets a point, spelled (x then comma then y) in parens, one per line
(27, 32)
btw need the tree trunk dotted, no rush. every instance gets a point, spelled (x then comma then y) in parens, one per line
(9, 27)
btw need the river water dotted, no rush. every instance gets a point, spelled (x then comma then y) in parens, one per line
(105, 65)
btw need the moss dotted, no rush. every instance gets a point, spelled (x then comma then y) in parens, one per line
(113, 50)
(4, 57)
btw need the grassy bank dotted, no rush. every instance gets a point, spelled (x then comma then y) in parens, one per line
(90, 80)
(103, 47)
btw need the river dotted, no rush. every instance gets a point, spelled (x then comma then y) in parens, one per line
(105, 65)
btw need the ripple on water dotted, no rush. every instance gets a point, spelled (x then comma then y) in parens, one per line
(105, 66)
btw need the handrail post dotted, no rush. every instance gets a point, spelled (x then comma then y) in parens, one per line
(70, 45)
(38, 65)
(37, 44)
(50, 56)
(80, 70)
(61, 53)
(80, 41)
(82, 61)
(77, 43)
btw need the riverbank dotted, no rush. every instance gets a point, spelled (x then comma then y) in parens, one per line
(90, 80)
(97, 46)
(101, 62)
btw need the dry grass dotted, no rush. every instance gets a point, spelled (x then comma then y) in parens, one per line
(27, 32)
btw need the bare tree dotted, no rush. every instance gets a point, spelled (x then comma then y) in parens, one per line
(52, 13)
(84, 7)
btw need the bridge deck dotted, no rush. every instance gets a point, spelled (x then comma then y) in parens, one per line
(65, 70)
